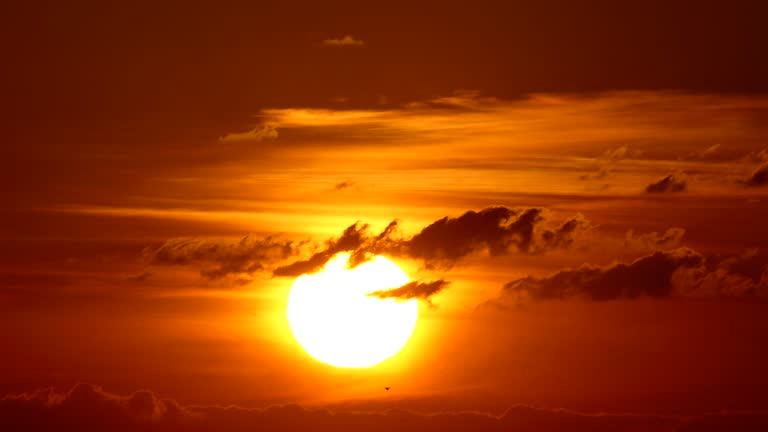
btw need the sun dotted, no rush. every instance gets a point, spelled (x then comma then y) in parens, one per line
(337, 323)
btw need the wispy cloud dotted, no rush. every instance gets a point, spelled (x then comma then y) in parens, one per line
(347, 40)
(260, 133)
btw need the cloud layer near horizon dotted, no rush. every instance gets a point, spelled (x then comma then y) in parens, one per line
(89, 407)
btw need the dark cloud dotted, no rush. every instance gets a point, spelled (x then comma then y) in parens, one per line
(744, 275)
(759, 177)
(678, 272)
(498, 230)
(219, 259)
(353, 238)
(386, 242)
(343, 185)
(676, 182)
(411, 290)
(87, 407)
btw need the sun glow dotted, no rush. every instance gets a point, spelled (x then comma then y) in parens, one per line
(336, 322)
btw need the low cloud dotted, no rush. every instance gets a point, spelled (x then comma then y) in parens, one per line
(678, 272)
(263, 132)
(88, 407)
(671, 183)
(413, 290)
(347, 40)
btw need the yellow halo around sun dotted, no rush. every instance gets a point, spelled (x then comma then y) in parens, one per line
(336, 322)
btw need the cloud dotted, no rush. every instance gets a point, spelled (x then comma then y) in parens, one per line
(88, 407)
(466, 99)
(744, 275)
(497, 230)
(671, 183)
(759, 177)
(219, 259)
(347, 40)
(619, 153)
(672, 238)
(260, 133)
(411, 290)
(343, 185)
(351, 239)
(711, 153)
(139, 278)
(677, 272)
(759, 156)
(600, 174)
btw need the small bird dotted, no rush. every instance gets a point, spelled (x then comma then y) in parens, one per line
(386, 388)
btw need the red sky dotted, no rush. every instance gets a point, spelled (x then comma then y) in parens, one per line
(589, 178)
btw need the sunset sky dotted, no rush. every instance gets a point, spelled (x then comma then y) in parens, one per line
(577, 191)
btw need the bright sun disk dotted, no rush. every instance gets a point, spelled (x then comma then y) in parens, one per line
(335, 320)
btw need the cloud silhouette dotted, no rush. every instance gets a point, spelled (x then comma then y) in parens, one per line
(343, 185)
(759, 177)
(411, 290)
(351, 239)
(220, 259)
(88, 407)
(677, 272)
(498, 230)
(676, 182)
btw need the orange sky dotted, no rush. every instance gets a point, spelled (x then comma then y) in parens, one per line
(590, 180)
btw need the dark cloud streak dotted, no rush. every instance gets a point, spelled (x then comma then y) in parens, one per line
(413, 290)
(676, 182)
(677, 272)
(220, 259)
